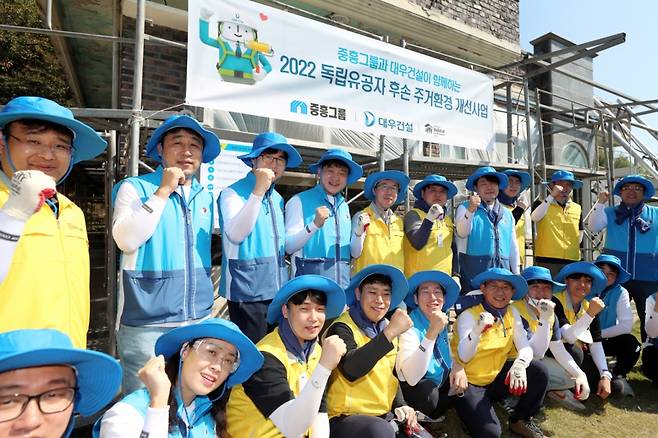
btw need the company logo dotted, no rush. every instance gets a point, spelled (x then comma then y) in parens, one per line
(435, 130)
(297, 106)
(370, 119)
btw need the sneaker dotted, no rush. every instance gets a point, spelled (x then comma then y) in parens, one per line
(526, 429)
(509, 403)
(566, 399)
(620, 386)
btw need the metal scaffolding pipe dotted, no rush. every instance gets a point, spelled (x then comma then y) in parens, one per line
(110, 249)
(531, 166)
(382, 162)
(138, 76)
(405, 166)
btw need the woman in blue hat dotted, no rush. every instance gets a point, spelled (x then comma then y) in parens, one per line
(286, 396)
(559, 223)
(517, 183)
(424, 366)
(616, 321)
(650, 350)
(187, 384)
(318, 224)
(377, 232)
(41, 230)
(64, 381)
(580, 328)
(632, 236)
(253, 234)
(429, 230)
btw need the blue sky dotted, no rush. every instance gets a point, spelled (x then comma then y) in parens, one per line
(631, 67)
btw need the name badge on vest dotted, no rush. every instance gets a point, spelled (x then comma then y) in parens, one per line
(439, 239)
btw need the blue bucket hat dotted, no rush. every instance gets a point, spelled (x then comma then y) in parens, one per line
(272, 140)
(486, 171)
(395, 175)
(539, 273)
(622, 274)
(649, 189)
(399, 286)
(335, 295)
(450, 287)
(518, 282)
(211, 147)
(250, 358)
(565, 175)
(87, 144)
(98, 375)
(599, 281)
(523, 176)
(438, 180)
(356, 171)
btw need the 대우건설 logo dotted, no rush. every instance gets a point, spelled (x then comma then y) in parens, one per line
(370, 119)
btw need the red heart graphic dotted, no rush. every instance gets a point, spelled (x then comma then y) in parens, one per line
(263, 17)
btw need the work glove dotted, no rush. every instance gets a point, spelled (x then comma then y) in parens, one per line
(582, 387)
(516, 378)
(435, 212)
(362, 224)
(27, 194)
(484, 323)
(546, 309)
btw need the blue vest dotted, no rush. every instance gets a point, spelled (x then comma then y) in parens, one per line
(488, 246)
(171, 279)
(200, 418)
(638, 252)
(258, 270)
(438, 369)
(610, 296)
(653, 341)
(327, 252)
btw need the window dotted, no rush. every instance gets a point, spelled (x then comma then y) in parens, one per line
(574, 154)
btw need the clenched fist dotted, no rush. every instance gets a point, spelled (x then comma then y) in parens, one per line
(485, 321)
(321, 216)
(156, 381)
(333, 349)
(264, 180)
(399, 323)
(172, 177)
(603, 197)
(596, 305)
(362, 224)
(29, 190)
(438, 321)
(556, 190)
(546, 309)
(435, 212)
(474, 202)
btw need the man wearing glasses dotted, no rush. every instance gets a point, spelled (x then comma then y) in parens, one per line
(44, 251)
(253, 234)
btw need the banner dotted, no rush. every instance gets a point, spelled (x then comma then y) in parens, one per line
(225, 169)
(254, 59)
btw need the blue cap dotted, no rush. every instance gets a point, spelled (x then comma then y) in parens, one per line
(649, 189)
(539, 273)
(272, 140)
(399, 286)
(450, 287)
(565, 175)
(250, 358)
(211, 146)
(518, 282)
(395, 175)
(486, 171)
(523, 176)
(434, 179)
(86, 142)
(355, 172)
(599, 282)
(622, 274)
(335, 295)
(98, 374)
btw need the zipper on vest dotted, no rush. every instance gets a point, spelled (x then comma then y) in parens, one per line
(188, 255)
(337, 264)
(276, 242)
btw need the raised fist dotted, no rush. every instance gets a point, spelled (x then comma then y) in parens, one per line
(333, 348)
(596, 305)
(172, 177)
(435, 212)
(264, 180)
(484, 323)
(156, 381)
(28, 190)
(603, 197)
(362, 224)
(556, 190)
(399, 323)
(474, 202)
(546, 309)
(321, 216)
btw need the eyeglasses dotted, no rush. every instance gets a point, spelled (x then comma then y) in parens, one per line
(629, 188)
(216, 355)
(59, 149)
(269, 159)
(387, 188)
(49, 402)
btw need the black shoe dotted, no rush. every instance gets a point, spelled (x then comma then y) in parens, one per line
(526, 429)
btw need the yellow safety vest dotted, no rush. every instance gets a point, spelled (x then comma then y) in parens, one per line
(436, 254)
(568, 307)
(496, 346)
(383, 243)
(557, 233)
(371, 394)
(47, 285)
(243, 417)
(532, 320)
(520, 235)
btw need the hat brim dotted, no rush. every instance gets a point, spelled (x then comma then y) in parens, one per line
(251, 359)
(623, 275)
(576, 184)
(649, 189)
(355, 170)
(518, 282)
(523, 176)
(502, 180)
(99, 375)
(599, 281)
(450, 187)
(293, 160)
(395, 175)
(335, 296)
(87, 143)
(399, 286)
(450, 288)
(211, 145)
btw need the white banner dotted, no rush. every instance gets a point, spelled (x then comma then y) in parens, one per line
(254, 59)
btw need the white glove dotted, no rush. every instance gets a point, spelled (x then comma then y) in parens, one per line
(516, 378)
(29, 190)
(206, 14)
(582, 387)
(435, 212)
(546, 309)
(362, 224)
(484, 323)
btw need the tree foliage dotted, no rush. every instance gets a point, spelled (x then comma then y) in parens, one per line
(28, 61)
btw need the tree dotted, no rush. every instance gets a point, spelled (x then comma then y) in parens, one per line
(28, 62)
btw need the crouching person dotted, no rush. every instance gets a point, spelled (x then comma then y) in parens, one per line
(428, 377)
(286, 396)
(650, 351)
(485, 340)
